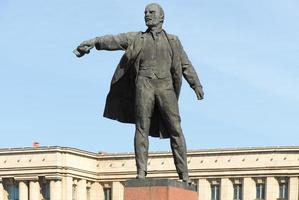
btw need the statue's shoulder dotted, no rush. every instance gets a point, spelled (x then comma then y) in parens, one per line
(170, 36)
(131, 35)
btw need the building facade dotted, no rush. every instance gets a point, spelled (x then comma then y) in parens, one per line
(62, 173)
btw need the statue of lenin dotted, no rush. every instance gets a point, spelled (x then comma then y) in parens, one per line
(146, 85)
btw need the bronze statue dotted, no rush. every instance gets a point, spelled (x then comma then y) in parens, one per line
(146, 85)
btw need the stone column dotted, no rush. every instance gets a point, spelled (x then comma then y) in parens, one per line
(204, 189)
(249, 189)
(226, 189)
(96, 191)
(67, 188)
(34, 190)
(272, 188)
(293, 188)
(82, 189)
(55, 190)
(23, 190)
(1, 190)
(117, 191)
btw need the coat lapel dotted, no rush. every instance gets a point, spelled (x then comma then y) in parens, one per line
(135, 48)
(176, 69)
(128, 60)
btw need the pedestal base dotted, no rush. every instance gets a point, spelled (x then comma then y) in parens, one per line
(159, 189)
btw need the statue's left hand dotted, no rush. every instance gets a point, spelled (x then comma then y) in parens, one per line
(199, 93)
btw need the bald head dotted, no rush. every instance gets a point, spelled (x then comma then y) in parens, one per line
(153, 15)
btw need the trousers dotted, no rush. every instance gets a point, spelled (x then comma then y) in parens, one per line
(159, 93)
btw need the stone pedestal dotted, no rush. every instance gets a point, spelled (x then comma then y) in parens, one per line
(159, 189)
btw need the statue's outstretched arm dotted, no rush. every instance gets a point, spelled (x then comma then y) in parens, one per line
(106, 42)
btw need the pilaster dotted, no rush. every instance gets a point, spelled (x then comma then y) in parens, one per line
(23, 190)
(249, 189)
(204, 189)
(1, 190)
(82, 189)
(67, 185)
(34, 190)
(117, 191)
(97, 191)
(226, 189)
(293, 188)
(55, 190)
(272, 188)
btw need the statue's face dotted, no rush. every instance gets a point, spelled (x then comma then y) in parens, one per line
(152, 16)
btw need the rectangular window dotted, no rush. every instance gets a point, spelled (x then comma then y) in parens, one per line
(74, 192)
(13, 191)
(260, 191)
(283, 190)
(238, 192)
(45, 190)
(87, 193)
(215, 192)
(107, 193)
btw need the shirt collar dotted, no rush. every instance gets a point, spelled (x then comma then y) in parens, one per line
(154, 33)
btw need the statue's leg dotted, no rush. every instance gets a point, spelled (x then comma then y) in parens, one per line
(168, 106)
(144, 106)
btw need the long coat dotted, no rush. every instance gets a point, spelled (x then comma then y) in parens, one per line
(120, 102)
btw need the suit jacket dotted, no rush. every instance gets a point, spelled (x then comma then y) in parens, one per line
(120, 102)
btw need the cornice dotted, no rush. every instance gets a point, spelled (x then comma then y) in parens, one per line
(104, 156)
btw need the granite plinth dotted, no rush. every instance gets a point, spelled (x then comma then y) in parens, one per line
(159, 189)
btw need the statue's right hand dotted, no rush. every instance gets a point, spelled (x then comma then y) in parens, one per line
(82, 50)
(84, 47)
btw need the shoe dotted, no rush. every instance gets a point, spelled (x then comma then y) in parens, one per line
(188, 181)
(141, 175)
(185, 178)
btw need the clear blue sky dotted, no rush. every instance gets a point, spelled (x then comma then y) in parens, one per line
(245, 52)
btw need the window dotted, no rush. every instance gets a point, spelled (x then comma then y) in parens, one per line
(107, 193)
(215, 192)
(74, 192)
(238, 191)
(283, 189)
(260, 191)
(45, 190)
(13, 191)
(87, 193)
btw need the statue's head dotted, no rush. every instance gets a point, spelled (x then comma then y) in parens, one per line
(153, 15)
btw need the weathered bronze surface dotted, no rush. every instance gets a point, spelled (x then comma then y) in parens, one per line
(146, 85)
